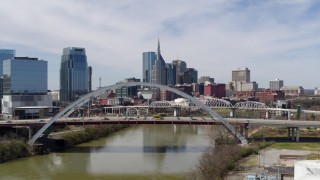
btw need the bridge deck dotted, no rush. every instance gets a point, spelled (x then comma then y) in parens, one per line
(165, 120)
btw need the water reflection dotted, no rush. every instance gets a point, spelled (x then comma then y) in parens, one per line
(139, 150)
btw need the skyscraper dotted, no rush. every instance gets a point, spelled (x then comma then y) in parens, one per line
(73, 74)
(4, 55)
(149, 58)
(90, 78)
(25, 83)
(171, 70)
(242, 75)
(24, 75)
(159, 69)
(181, 68)
(190, 76)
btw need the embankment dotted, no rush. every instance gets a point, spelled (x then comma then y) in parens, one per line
(90, 133)
(11, 148)
(219, 159)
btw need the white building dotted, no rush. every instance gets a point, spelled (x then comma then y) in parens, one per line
(317, 91)
(251, 86)
(55, 95)
(292, 90)
(276, 84)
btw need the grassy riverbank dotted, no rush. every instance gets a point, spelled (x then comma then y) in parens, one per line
(90, 133)
(12, 149)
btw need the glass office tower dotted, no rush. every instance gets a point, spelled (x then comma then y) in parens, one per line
(73, 74)
(24, 75)
(149, 59)
(4, 55)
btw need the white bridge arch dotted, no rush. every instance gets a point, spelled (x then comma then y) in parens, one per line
(86, 98)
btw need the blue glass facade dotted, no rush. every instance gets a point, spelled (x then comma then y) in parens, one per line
(171, 70)
(149, 59)
(73, 74)
(23, 75)
(4, 55)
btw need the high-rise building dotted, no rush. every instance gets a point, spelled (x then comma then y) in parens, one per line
(25, 85)
(126, 91)
(148, 61)
(4, 55)
(242, 75)
(90, 78)
(171, 70)
(203, 79)
(190, 76)
(181, 68)
(73, 74)
(24, 75)
(276, 84)
(159, 69)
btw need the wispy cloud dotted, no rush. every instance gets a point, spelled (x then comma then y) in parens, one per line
(273, 38)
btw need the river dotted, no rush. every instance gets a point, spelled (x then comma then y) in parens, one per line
(140, 152)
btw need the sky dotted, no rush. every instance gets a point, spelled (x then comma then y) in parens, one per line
(273, 38)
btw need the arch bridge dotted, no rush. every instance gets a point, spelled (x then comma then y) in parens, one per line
(86, 98)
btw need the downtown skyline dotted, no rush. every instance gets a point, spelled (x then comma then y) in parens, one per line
(274, 39)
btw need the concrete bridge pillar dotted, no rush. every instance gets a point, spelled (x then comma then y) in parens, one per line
(297, 134)
(177, 112)
(232, 112)
(267, 115)
(242, 130)
(246, 129)
(289, 115)
(30, 132)
(292, 137)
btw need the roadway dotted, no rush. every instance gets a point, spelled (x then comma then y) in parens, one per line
(165, 120)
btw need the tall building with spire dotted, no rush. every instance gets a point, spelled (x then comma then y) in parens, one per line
(159, 69)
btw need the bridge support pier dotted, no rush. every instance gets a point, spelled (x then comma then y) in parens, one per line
(267, 115)
(177, 112)
(244, 130)
(30, 132)
(294, 133)
(232, 112)
(289, 115)
(297, 134)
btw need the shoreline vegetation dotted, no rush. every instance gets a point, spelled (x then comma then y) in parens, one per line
(12, 148)
(211, 165)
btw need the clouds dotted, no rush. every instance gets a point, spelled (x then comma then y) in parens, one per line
(272, 37)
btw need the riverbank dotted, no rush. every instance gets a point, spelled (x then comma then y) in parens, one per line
(270, 158)
(90, 133)
(222, 157)
(11, 149)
